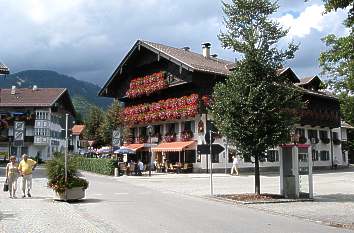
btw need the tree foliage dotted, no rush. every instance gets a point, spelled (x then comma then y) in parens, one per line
(112, 121)
(254, 106)
(93, 123)
(338, 61)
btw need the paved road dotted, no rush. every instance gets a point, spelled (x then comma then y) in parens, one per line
(118, 206)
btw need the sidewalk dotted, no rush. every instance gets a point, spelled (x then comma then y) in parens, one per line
(39, 213)
(333, 192)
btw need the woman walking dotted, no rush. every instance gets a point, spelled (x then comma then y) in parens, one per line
(12, 175)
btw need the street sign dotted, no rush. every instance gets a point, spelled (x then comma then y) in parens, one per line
(205, 149)
(210, 126)
(116, 139)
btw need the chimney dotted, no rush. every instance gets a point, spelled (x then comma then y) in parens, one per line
(206, 49)
(35, 88)
(186, 48)
(13, 90)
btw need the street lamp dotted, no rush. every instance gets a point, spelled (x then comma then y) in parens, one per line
(149, 129)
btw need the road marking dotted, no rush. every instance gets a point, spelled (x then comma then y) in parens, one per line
(121, 193)
(98, 194)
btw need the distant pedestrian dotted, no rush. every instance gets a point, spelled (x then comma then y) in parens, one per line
(12, 175)
(234, 165)
(140, 167)
(26, 168)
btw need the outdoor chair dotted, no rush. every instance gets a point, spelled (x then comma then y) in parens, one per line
(122, 168)
(132, 169)
(185, 168)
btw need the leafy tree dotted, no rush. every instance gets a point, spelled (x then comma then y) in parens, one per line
(112, 121)
(338, 61)
(93, 123)
(254, 107)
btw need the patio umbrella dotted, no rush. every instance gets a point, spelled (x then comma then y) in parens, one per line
(124, 150)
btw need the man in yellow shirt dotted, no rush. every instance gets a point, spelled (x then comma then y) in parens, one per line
(26, 168)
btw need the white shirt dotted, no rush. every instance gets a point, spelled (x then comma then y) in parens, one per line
(141, 166)
(235, 161)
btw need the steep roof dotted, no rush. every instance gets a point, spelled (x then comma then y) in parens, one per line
(27, 97)
(77, 129)
(191, 59)
(4, 69)
(187, 59)
(40, 97)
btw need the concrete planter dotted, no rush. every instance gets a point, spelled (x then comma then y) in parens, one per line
(72, 194)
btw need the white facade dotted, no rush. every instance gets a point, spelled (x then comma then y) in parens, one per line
(47, 136)
(323, 152)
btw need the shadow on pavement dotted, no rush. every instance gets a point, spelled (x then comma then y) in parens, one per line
(336, 197)
(86, 201)
(4, 216)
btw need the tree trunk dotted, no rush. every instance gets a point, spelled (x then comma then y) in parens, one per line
(257, 182)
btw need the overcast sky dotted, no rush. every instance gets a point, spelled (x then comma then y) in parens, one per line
(88, 38)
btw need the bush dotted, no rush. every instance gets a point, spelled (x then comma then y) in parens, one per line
(56, 174)
(96, 165)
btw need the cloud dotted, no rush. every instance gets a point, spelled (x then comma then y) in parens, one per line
(312, 18)
(88, 38)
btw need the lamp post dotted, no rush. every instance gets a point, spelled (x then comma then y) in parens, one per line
(211, 166)
(66, 150)
(149, 131)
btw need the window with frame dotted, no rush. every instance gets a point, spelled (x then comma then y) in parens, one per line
(323, 134)
(189, 125)
(315, 156)
(272, 156)
(324, 155)
(303, 154)
(312, 133)
(300, 132)
(171, 128)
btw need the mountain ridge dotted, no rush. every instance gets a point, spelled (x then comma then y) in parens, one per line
(83, 93)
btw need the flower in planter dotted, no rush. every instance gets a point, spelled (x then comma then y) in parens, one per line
(56, 174)
(186, 135)
(147, 85)
(170, 137)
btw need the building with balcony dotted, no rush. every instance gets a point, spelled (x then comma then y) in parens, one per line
(169, 87)
(33, 120)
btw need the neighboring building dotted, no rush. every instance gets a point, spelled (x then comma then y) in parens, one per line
(33, 120)
(168, 88)
(77, 133)
(3, 69)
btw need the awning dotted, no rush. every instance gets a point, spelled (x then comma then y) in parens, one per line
(173, 146)
(134, 147)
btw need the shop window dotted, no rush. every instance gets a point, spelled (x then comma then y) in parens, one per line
(215, 158)
(324, 155)
(190, 156)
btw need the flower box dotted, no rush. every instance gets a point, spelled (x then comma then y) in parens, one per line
(71, 194)
(169, 109)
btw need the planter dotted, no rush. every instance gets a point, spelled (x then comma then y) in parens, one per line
(72, 194)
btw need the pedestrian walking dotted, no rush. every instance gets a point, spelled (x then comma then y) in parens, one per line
(26, 168)
(234, 165)
(140, 167)
(11, 176)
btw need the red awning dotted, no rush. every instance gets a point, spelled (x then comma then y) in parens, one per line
(134, 147)
(174, 146)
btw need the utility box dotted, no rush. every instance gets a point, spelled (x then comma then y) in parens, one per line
(289, 170)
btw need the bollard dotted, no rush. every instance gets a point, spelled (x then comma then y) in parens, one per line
(116, 172)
